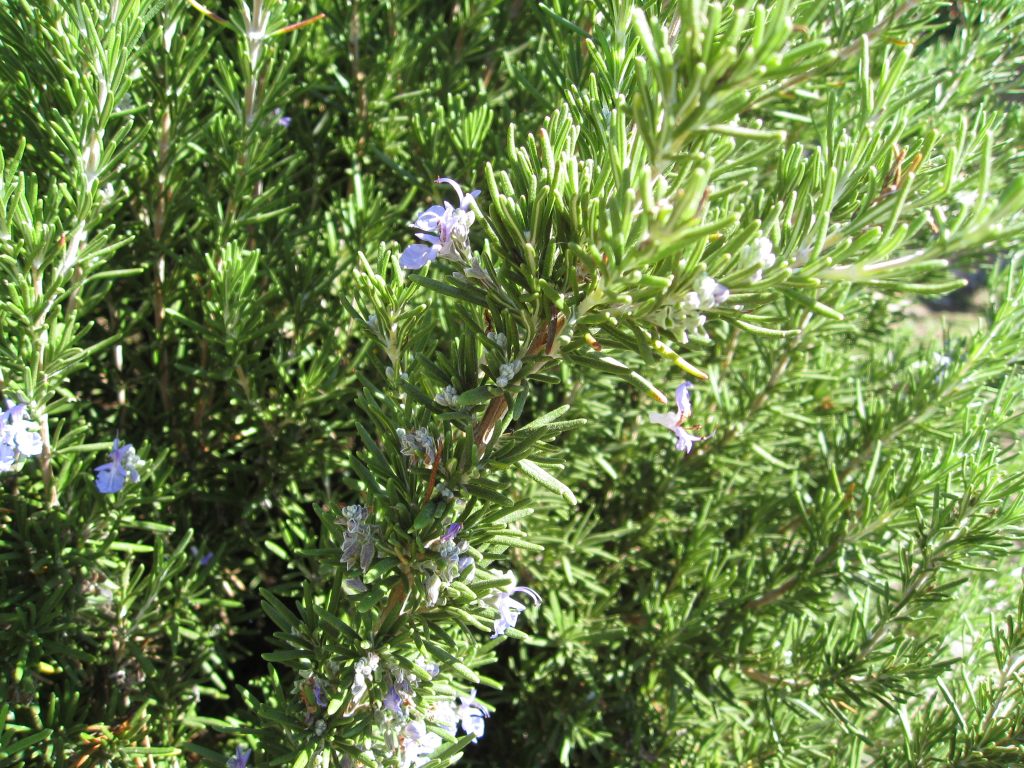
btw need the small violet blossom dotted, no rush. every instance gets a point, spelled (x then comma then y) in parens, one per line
(674, 421)
(357, 546)
(508, 607)
(122, 468)
(355, 586)
(204, 560)
(445, 229)
(241, 758)
(453, 530)
(18, 436)
(282, 119)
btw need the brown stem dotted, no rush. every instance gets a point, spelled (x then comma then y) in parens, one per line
(159, 274)
(498, 407)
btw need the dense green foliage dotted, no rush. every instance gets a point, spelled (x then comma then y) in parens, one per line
(345, 466)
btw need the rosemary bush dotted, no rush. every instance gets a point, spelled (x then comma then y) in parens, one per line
(526, 383)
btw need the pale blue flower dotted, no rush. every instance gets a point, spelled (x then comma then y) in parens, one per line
(418, 744)
(471, 715)
(508, 607)
(444, 228)
(674, 421)
(122, 468)
(444, 715)
(241, 758)
(18, 436)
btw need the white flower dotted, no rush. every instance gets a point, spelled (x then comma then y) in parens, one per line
(364, 670)
(762, 254)
(711, 292)
(433, 587)
(966, 198)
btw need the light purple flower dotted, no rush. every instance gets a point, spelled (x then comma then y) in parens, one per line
(674, 421)
(318, 694)
(18, 437)
(444, 227)
(471, 715)
(393, 701)
(509, 608)
(417, 744)
(241, 758)
(122, 468)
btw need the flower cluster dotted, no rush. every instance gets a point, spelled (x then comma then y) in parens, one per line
(404, 724)
(709, 294)
(447, 397)
(122, 467)
(417, 443)
(362, 675)
(445, 228)
(358, 546)
(507, 372)
(454, 562)
(674, 421)
(18, 436)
